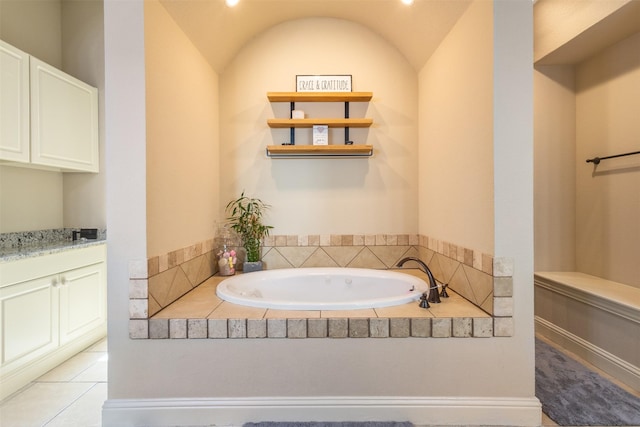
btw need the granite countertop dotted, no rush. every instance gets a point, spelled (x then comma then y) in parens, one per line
(36, 249)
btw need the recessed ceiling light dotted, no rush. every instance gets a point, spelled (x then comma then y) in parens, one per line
(407, 2)
(231, 3)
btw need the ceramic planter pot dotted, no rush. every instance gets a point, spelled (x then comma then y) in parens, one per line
(248, 267)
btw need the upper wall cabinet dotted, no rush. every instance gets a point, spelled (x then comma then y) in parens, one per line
(14, 104)
(61, 116)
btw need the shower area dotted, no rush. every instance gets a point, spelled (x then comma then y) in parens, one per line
(587, 181)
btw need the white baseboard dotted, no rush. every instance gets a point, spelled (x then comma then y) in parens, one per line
(466, 411)
(602, 359)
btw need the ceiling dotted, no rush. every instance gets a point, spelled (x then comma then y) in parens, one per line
(570, 31)
(219, 32)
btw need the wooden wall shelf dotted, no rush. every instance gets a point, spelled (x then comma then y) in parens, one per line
(297, 151)
(308, 123)
(347, 150)
(319, 96)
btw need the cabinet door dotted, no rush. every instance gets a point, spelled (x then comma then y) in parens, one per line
(64, 120)
(82, 301)
(14, 104)
(29, 321)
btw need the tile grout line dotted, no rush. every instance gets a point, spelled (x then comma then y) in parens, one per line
(70, 404)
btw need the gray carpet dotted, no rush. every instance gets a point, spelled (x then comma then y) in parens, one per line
(572, 395)
(328, 424)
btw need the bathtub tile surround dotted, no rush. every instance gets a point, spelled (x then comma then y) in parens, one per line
(276, 328)
(217, 328)
(400, 327)
(138, 329)
(482, 327)
(234, 321)
(256, 328)
(179, 280)
(338, 327)
(172, 275)
(421, 327)
(317, 328)
(379, 328)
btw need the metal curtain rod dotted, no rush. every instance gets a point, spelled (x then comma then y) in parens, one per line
(596, 160)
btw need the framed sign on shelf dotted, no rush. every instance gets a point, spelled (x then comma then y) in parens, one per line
(323, 83)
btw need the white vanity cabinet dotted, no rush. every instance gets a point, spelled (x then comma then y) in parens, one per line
(51, 307)
(55, 113)
(29, 313)
(82, 301)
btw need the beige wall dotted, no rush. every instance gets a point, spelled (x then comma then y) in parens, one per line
(608, 197)
(555, 168)
(586, 217)
(23, 203)
(31, 199)
(568, 31)
(500, 368)
(84, 200)
(456, 135)
(182, 137)
(322, 196)
(68, 35)
(33, 26)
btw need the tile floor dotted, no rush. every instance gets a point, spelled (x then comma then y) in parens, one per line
(72, 394)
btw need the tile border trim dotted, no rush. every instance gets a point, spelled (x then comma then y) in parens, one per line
(335, 328)
(499, 325)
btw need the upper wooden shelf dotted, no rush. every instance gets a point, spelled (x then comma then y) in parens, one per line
(308, 123)
(319, 96)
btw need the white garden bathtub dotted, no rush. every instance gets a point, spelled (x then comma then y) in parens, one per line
(321, 288)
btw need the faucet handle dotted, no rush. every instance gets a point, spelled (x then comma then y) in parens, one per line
(424, 303)
(444, 293)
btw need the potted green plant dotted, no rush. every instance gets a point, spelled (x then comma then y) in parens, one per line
(245, 218)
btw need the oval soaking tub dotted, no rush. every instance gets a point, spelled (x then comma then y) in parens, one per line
(323, 288)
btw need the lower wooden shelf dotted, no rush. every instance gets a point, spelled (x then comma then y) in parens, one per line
(301, 151)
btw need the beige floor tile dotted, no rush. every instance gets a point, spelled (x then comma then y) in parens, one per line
(456, 308)
(100, 346)
(39, 403)
(84, 412)
(96, 373)
(190, 308)
(71, 368)
(227, 310)
(546, 421)
(367, 312)
(197, 304)
(292, 314)
(411, 309)
(202, 292)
